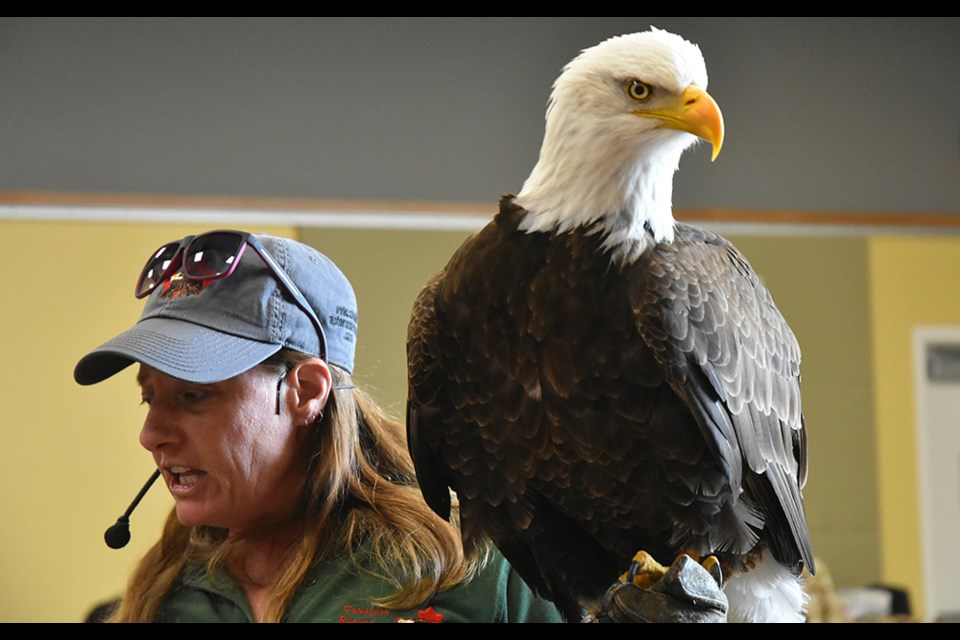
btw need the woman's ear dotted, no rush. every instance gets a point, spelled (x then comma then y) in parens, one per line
(310, 383)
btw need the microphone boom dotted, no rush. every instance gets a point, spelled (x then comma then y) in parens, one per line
(118, 535)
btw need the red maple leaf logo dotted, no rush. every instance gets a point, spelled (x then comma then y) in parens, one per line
(429, 615)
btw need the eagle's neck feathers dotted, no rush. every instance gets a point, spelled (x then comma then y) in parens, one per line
(595, 180)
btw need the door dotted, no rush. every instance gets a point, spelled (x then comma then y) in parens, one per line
(937, 353)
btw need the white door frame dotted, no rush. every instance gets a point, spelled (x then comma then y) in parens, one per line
(925, 336)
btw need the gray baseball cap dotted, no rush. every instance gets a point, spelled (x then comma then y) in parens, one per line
(208, 331)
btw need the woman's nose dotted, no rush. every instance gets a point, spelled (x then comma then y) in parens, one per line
(158, 430)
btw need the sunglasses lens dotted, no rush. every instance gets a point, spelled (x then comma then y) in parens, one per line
(157, 269)
(213, 255)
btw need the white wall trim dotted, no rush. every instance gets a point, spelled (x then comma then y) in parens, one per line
(413, 220)
(397, 219)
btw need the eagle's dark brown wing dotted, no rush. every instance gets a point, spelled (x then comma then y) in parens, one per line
(583, 410)
(730, 355)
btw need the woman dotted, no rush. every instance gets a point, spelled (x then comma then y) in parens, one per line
(295, 498)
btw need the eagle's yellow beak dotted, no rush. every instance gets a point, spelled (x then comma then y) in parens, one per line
(694, 112)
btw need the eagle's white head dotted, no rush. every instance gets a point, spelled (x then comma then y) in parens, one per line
(620, 116)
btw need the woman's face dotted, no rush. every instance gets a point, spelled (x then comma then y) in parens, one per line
(228, 460)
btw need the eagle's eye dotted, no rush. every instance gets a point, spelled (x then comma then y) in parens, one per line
(639, 90)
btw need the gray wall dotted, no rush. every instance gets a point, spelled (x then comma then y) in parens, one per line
(822, 114)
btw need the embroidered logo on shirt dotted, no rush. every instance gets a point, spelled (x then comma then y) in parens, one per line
(428, 615)
(353, 614)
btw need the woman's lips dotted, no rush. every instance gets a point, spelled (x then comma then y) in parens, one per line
(184, 478)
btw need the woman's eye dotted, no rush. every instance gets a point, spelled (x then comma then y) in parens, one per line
(194, 396)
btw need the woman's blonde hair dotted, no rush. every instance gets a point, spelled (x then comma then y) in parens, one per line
(361, 501)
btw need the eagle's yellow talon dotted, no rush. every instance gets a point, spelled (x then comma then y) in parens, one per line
(712, 565)
(644, 571)
(709, 562)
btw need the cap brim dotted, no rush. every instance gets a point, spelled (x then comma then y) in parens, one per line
(177, 348)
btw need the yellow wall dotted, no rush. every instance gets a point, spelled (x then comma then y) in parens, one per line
(913, 283)
(387, 268)
(69, 457)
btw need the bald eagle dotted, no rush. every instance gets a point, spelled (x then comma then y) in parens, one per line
(593, 378)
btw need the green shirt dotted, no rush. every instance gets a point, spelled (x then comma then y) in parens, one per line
(338, 592)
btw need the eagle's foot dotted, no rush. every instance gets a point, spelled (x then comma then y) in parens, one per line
(687, 591)
(644, 571)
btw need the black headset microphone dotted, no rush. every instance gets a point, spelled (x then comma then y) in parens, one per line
(118, 535)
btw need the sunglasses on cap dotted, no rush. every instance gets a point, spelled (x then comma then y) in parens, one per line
(213, 256)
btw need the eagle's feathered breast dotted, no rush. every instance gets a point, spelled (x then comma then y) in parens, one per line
(574, 402)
